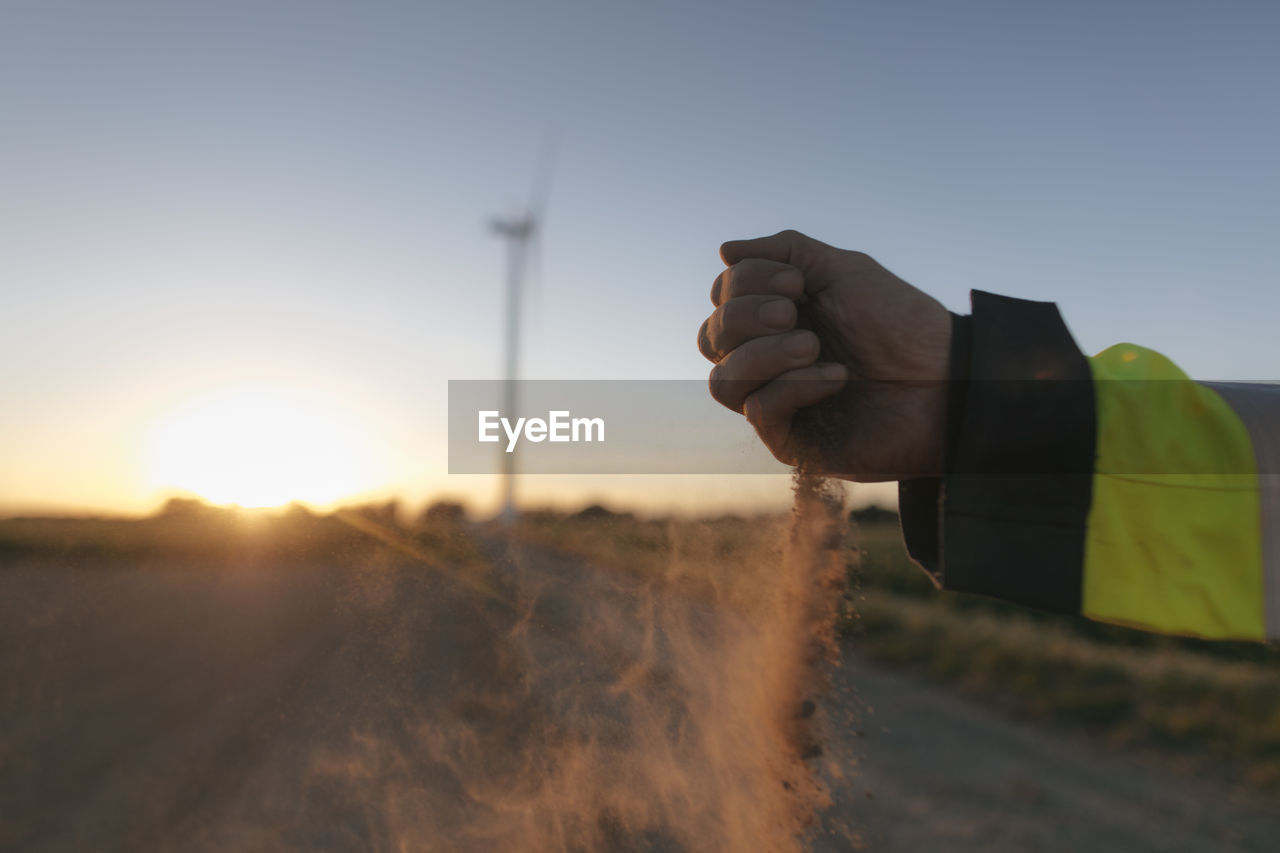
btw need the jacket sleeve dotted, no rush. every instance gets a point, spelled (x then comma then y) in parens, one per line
(1113, 487)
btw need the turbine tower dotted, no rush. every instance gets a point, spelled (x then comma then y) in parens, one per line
(518, 231)
(521, 231)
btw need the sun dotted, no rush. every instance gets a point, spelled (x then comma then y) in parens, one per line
(260, 446)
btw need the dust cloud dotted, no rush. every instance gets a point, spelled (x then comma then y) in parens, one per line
(595, 710)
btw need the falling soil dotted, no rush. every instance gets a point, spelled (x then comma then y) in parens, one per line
(641, 716)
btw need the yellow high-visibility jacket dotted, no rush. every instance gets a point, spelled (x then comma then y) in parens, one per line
(1114, 486)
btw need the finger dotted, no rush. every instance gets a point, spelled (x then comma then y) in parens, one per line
(786, 247)
(771, 408)
(756, 276)
(740, 373)
(740, 320)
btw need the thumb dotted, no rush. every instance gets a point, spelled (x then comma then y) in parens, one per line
(787, 247)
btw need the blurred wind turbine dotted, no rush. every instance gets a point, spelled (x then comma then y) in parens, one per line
(522, 231)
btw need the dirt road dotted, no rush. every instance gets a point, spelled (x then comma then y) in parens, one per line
(265, 707)
(936, 772)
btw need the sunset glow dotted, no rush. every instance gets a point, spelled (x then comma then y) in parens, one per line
(260, 446)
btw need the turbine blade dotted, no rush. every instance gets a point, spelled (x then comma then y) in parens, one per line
(540, 189)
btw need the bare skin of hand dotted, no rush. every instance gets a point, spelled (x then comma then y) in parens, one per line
(887, 347)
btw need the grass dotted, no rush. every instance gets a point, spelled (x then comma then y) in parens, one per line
(1165, 698)
(189, 530)
(1212, 703)
(1218, 702)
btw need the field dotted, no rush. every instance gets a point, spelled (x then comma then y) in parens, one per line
(210, 679)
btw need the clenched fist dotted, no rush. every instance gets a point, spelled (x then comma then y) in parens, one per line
(839, 365)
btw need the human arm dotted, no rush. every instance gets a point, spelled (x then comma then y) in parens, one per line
(1114, 487)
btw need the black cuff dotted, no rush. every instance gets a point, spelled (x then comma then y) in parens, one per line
(918, 499)
(1008, 519)
(958, 388)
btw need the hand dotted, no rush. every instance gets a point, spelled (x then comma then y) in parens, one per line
(865, 397)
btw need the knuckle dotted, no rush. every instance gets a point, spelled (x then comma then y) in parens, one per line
(711, 336)
(734, 276)
(720, 387)
(718, 287)
(745, 278)
(796, 246)
(704, 342)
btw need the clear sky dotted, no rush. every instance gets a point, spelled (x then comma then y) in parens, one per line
(198, 197)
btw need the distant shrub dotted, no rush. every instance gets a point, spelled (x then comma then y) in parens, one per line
(873, 514)
(187, 508)
(595, 512)
(444, 512)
